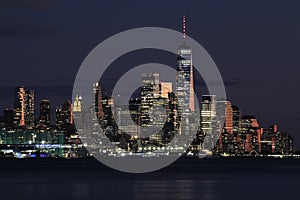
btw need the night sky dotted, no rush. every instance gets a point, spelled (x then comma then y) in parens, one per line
(255, 44)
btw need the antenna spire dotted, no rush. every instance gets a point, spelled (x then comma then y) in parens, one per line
(184, 27)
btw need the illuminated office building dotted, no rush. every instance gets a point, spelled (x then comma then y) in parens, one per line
(45, 113)
(236, 116)
(77, 105)
(149, 91)
(185, 79)
(24, 108)
(274, 141)
(208, 118)
(249, 134)
(228, 117)
(97, 102)
(64, 115)
(185, 84)
(29, 109)
(225, 131)
(19, 107)
(159, 112)
(125, 119)
(165, 88)
(108, 107)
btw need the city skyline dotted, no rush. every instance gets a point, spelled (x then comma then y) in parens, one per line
(257, 55)
(64, 112)
(189, 76)
(216, 126)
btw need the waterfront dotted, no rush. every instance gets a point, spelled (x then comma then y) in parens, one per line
(187, 178)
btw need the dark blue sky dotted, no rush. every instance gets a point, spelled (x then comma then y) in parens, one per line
(255, 44)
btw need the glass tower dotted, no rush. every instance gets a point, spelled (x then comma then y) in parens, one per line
(185, 84)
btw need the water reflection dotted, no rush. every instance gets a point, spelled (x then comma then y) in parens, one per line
(174, 189)
(112, 189)
(159, 187)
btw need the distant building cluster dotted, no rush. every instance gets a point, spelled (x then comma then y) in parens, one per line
(241, 135)
(20, 127)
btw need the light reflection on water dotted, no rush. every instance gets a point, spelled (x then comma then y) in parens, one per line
(122, 189)
(182, 187)
(170, 189)
(149, 189)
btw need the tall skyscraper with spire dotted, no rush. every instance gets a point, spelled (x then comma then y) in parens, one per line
(185, 83)
(185, 76)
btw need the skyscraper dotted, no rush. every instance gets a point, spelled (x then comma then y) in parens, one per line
(249, 134)
(97, 101)
(185, 79)
(109, 119)
(185, 85)
(128, 119)
(149, 91)
(78, 113)
(77, 105)
(208, 120)
(23, 107)
(224, 112)
(8, 115)
(29, 108)
(44, 118)
(274, 141)
(19, 107)
(165, 88)
(227, 115)
(237, 114)
(64, 115)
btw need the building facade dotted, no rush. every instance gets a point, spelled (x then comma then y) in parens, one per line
(23, 108)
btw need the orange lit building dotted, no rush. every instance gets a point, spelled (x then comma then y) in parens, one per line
(165, 88)
(249, 134)
(23, 108)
